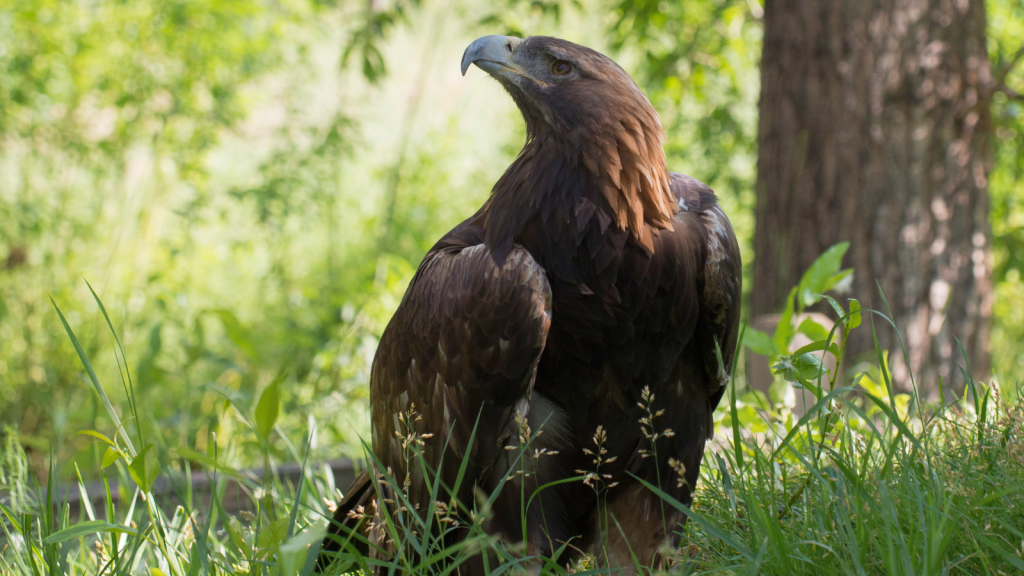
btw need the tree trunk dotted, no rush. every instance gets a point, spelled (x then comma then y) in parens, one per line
(875, 128)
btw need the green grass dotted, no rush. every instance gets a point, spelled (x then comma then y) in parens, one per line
(868, 481)
(857, 491)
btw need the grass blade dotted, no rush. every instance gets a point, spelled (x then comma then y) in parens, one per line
(95, 380)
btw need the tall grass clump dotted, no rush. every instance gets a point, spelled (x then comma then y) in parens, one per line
(865, 480)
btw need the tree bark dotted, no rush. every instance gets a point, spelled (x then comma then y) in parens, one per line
(875, 129)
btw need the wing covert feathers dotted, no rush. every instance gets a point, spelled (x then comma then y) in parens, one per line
(461, 352)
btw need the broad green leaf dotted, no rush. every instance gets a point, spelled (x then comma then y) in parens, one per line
(268, 406)
(110, 456)
(812, 330)
(759, 342)
(822, 274)
(144, 468)
(273, 534)
(84, 529)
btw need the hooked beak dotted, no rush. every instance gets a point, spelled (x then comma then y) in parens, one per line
(493, 54)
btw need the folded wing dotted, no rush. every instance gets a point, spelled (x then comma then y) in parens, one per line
(721, 293)
(459, 355)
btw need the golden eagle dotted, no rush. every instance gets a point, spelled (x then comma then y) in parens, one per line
(589, 309)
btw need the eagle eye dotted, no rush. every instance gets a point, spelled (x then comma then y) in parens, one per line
(560, 67)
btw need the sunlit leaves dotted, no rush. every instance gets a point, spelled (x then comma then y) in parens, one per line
(108, 73)
(1005, 40)
(522, 18)
(378, 18)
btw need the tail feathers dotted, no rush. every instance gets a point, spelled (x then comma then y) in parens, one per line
(343, 524)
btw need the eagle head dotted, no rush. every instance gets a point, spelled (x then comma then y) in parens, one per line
(563, 88)
(582, 103)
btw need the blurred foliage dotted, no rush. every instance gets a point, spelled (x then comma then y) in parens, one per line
(249, 185)
(111, 119)
(1006, 186)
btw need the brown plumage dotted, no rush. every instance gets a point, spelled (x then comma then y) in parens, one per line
(592, 286)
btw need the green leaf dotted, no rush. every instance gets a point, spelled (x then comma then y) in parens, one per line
(835, 306)
(144, 468)
(96, 434)
(268, 406)
(110, 456)
(273, 534)
(854, 319)
(805, 367)
(93, 378)
(841, 282)
(815, 346)
(822, 274)
(84, 529)
(812, 330)
(759, 342)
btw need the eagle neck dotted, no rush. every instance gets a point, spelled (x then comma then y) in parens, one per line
(622, 172)
(537, 177)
